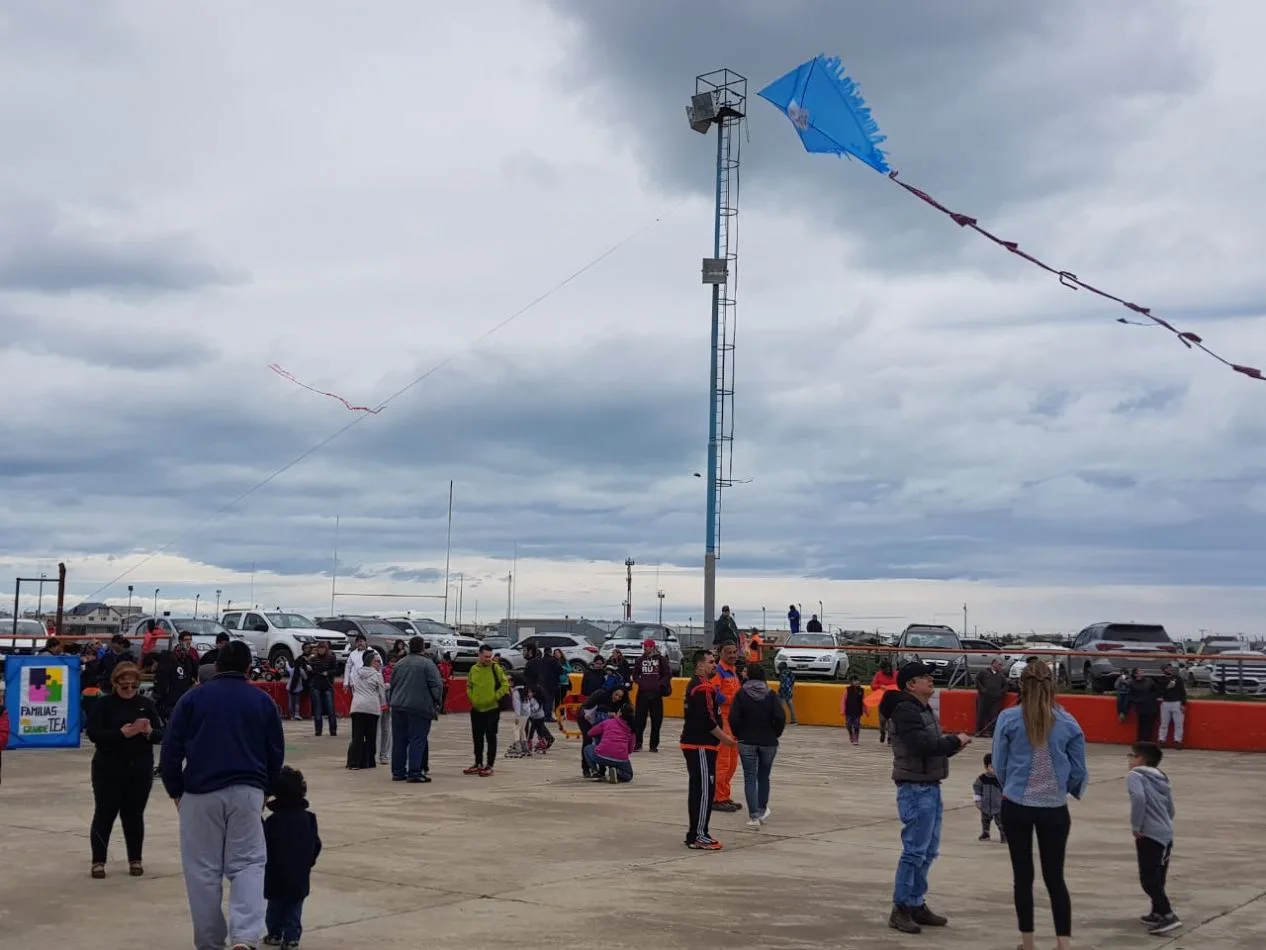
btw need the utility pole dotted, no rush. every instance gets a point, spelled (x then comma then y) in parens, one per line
(628, 599)
(217, 605)
(39, 608)
(196, 599)
(660, 595)
(461, 595)
(333, 569)
(964, 619)
(448, 547)
(509, 603)
(155, 601)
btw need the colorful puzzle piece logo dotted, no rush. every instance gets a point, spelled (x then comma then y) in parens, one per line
(44, 684)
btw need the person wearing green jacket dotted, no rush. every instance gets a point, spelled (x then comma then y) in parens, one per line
(486, 685)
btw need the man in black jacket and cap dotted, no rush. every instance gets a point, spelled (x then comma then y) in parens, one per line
(920, 762)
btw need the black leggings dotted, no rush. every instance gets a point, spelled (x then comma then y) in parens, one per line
(1051, 825)
(120, 792)
(702, 766)
(483, 728)
(361, 750)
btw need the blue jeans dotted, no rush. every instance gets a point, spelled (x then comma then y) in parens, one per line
(623, 767)
(410, 744)
(921, 811)
(284, 919)
(323, 701)
(758, 762)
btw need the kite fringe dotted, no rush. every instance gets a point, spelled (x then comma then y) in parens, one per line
(1073, 282)
(850, 91)
(284, 374)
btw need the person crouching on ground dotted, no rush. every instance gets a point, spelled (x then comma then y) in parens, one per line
(290, 834)
(612, 746)
(852, 707)
(224, 749)
(920, 762)
(756, 722)
(986, 792)
(701, 734)
(124, 727)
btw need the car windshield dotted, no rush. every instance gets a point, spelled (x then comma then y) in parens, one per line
(933, 639)
(634, 631)
(433, 626)
(811, 640)
(290, 621)
(1220, 647)
(199, 627)
(497, 643)
(25, 627)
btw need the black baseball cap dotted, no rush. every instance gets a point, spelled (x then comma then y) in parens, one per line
(910, 671)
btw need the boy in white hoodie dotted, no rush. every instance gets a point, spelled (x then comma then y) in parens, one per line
(1152, 818)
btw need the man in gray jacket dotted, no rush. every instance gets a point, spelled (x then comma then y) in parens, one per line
(416, 694)
(920, 762)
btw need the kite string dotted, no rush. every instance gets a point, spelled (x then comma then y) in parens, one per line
(1073, 282)
(320, 392)
(435, 368)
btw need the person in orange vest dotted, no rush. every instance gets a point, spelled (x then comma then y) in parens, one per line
(755, 647)
(726, 682)
(884, 679)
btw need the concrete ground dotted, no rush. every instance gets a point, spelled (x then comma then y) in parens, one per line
(534, 857)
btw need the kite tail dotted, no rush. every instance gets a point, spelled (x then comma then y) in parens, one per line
(1073, 282)
(850, 92)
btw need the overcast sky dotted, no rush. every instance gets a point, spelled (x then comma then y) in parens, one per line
(361, 193)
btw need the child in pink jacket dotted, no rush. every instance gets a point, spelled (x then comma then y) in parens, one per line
(611, 747)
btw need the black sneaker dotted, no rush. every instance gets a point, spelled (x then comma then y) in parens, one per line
(924, 917)
(900, 919)
(984, 836)
(1149, 919)
(1165, 925)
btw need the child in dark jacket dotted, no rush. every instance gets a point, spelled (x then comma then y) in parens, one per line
(987, 792)
(852, 707)
(290, 834)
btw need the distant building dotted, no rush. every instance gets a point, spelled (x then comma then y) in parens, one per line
(92, 619)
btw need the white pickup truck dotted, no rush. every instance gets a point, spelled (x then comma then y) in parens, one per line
(271, 634)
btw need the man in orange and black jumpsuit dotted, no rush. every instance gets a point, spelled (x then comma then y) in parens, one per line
(726, 681)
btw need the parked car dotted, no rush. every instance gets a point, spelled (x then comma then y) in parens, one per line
(462, 650)
(271, 634)
(1108, 641)
(812, 655)
(26, 639)
(948, 668)
(509, 656)
(577, 650)
(1199, 672)
(1238, 672)
(379, 634)
(982, 653)
(629, 637)
(203, 629)
(1017, 659)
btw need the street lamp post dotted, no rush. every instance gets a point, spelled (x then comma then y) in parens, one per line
(129, 600)
(155, 601)
(217, 605)
(196, 598)
(660, 595)
(763, 627)
(39, 607)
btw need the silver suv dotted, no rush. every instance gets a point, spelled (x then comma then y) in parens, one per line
(1108, 641)
(629, 637)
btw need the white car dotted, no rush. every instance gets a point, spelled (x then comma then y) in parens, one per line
(510, 657)
(1018, 658)
(813, 654)
(577, 650)
(29, 638)
(462, 650)
(272, 634)
(1238, 671)
(1200, 672)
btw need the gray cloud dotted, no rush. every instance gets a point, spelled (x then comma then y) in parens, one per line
(137, 349)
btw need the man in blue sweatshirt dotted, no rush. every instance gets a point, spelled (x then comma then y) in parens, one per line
(222, 751)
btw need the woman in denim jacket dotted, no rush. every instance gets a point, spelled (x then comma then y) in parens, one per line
(1039, 753)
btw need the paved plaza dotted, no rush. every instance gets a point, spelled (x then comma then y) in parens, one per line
(536, 858)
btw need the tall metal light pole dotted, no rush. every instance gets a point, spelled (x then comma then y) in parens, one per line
(129, 600)
(763, 628)
(196, 599)
(448, 547)
(720, 99)
(39, 606)
(660, 595)
(628, 597)
(155, 601)
(217, 605)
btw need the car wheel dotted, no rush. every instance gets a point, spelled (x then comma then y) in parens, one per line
(577, 666)
(279, 651)
(841, 671)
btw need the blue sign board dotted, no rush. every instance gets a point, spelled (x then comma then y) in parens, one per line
(41, 695)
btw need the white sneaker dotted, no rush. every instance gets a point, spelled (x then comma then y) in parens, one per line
(764, 816)
(753, 823)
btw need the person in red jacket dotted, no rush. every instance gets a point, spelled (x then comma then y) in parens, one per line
(446, 680)
(654, 679)
(727, 682)
(885, 679)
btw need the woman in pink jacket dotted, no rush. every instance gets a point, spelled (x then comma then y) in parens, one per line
(611, 747)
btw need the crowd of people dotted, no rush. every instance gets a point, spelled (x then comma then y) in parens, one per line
(221, 760)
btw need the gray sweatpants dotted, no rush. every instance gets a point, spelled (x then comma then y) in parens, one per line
(222, 836)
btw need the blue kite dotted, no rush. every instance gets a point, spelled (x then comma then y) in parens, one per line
(832, 118)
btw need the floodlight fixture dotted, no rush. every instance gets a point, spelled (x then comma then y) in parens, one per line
(702, 111)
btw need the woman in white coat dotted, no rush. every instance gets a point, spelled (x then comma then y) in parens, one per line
(369, 701)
